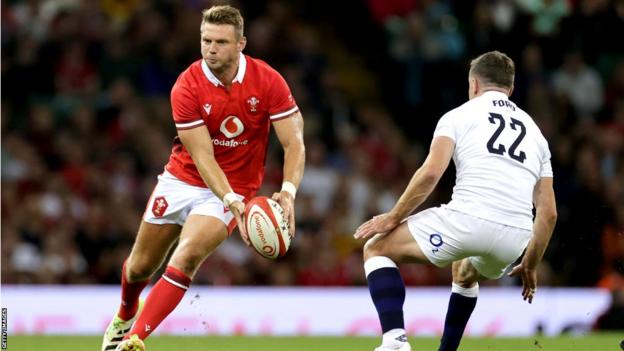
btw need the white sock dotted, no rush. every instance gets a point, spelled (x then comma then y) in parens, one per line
(468, 292)
(378, 262)
(392, 338)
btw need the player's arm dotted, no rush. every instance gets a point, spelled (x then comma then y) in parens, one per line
(290, 134)
(543, 226)
(199, 145)
(425, 179)
(420, 186)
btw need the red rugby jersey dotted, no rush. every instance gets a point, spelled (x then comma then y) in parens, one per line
(238, 120)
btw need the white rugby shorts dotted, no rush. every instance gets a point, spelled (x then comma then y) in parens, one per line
(446, 235)
(173, 200)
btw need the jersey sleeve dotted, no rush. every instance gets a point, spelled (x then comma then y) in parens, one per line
(446, 127)
(546, 167)
(281, 102)
(185, 107)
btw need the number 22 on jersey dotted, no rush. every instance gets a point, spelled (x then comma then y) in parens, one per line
(500, 149)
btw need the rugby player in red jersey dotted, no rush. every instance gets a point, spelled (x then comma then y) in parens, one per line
(223, 107)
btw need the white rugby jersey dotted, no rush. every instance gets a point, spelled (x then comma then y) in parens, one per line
(500, 154)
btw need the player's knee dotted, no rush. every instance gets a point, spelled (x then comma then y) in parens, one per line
(465, 276)
(138, 270)
(372, 248)
(188, 260)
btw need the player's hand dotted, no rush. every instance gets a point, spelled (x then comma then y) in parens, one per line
(529, 280)
(380, 224)
(287, 202)
(238, 210)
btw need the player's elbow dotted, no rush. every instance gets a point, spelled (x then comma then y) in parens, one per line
(200, 153)
(203, 157)
(549, 214)
(552, 216)
(294, 146)
(430, 176)
(297, 147)
(205, 165)
(431, 171)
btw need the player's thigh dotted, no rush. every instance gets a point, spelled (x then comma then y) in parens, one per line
(398, 245)
(201, 235)
(441, 236)
(150, 248)
(506, 244)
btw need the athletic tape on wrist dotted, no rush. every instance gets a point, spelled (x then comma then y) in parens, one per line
(289, 188)
(231, 197)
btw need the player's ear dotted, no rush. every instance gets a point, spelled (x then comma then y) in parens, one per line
(242, 42)
(473, 87)
(511, 90)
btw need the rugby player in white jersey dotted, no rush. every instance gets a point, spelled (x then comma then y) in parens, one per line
(503, 170)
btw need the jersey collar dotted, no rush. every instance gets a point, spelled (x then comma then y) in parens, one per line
(495, 94)
(242, 67)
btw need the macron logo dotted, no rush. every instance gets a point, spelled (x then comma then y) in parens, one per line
(147, 327)
(207, 108)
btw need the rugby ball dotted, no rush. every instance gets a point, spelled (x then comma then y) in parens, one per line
(267, 228)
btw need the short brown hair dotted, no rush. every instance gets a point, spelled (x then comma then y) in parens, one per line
(224, 14)
(494, 68)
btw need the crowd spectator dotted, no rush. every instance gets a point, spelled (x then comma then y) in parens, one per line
(86, 125)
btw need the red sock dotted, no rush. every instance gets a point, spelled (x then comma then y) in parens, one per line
(162, 300)
(130, 293)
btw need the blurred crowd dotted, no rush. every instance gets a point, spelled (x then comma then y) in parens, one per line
(86, 125)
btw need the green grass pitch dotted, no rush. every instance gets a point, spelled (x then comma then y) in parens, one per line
(591, 342)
